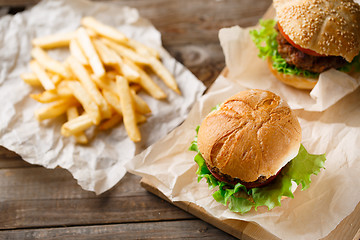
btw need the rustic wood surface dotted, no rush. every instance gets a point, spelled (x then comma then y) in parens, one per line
(39, 203)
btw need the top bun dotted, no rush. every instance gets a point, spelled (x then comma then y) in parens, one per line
(253, 134)
(328, 27)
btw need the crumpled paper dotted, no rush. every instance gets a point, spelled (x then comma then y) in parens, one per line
(99, 165)
(334, 129)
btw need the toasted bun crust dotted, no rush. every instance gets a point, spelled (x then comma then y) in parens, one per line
(254, 133)
(328, 27)
(293, 80)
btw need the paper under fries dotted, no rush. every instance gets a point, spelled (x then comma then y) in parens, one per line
(97, 85)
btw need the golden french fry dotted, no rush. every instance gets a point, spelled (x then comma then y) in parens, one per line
(102, 29)
(84, 77)
(114, 101)
(56, 109)
(136, 87)
(128, 72)
(117, 36)
(111, 122)
(63, 90)
(31, 79)
(54, 41)
(46, 96)
(104, 83)
(90, 107)
(48, 63)
(80, 137)
(90, 52)
(143, 49)
(56, 79)
(77, 52)
(41, 75)
(107, 56)
(140, 118)
(126, 52)
(91, 32)
(164, 74)
(77, 125)
(128, 109)
(147, 83)
(140, 105)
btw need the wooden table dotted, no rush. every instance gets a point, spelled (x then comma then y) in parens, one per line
(39, 203)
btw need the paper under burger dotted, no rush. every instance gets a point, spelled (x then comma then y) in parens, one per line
(308, 38)
(250, 148)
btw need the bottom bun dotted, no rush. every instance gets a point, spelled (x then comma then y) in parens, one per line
(293, 80)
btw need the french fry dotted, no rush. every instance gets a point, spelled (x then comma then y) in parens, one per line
(31, 79)
(117, 36)
(46, 96)
(104, 83)
(54, 41)
(126, 52)
(63, 90)
(77, 125)
(128, 109)
(41, 75)
(140, 105)
(164, 74)
(143, 49)
(111, 122)
(48, 63)
(114, 101)
(107, 56)
(56, 109)
(147, 83)
(108, 96)
(128, 72)
(136, 87)
(77, 52)
(80, 137)
(90, 52)
(102, 29)
(84, 77)
(90, 107)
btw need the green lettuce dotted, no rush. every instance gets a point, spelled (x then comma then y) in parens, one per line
(240, 199)
(265, 40)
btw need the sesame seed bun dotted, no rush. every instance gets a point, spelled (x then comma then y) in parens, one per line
(330, 28)
(252, 134)
(295, 81)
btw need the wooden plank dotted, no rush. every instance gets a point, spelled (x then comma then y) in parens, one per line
(240, 229)
(189, 229)
(9, 159)
(17, 3)
(86, 211)
(41, 183)
(347, 229)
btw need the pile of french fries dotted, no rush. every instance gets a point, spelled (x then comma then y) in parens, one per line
(98, 83)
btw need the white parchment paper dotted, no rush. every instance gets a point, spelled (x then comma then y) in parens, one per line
(334, 129)
(99, 165)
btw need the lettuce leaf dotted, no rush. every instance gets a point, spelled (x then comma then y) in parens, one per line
(265, 41)
(242, 200)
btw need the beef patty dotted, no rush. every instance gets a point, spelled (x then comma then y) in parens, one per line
(294, 56)
(261, 181)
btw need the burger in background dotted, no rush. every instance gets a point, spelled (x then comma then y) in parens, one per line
(309, 37)
(249, 147)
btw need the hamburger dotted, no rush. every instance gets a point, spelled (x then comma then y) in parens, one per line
(250, 148)
(309, 37)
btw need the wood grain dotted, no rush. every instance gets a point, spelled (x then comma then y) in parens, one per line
(190, 229)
